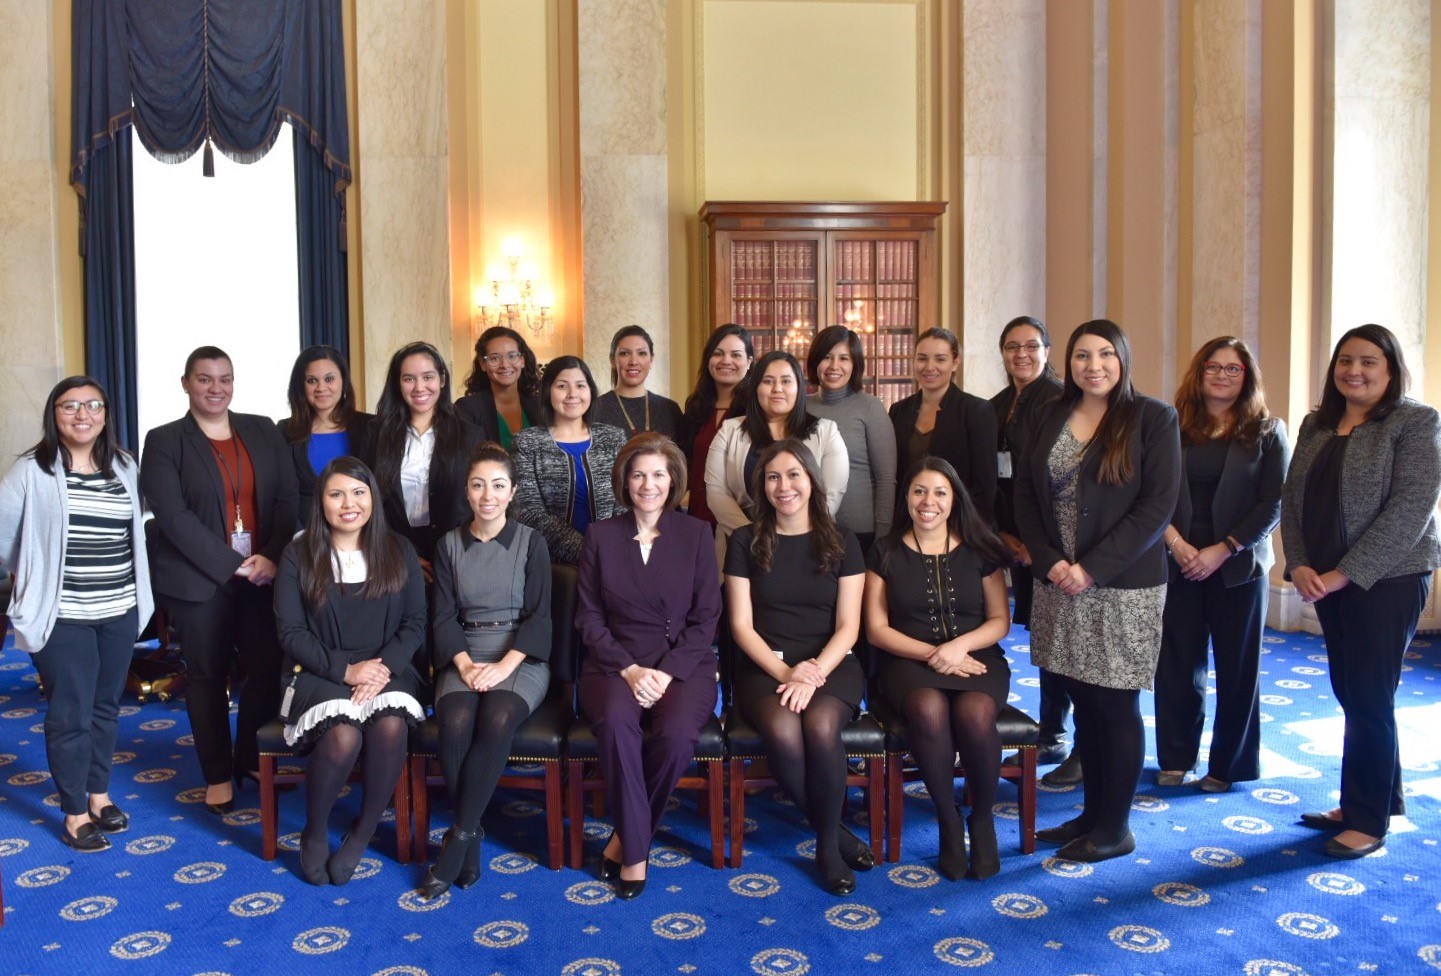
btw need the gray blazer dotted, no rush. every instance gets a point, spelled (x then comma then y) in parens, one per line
(1389, 488)
(1247, 504)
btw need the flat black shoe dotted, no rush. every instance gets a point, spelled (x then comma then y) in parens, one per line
(110, 819)
(316, 874)
(1068, 773)
(1319, 821)
(985, 855)
(1089, 852)
(222, 808)
(841, 885)
(855, 852)
(1337, 849)
(607, 870)
(626, 890)
(89, 839)
(1062, 833)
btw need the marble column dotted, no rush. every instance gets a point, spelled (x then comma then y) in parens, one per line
(1225, 198)
(32, 355)
(402, 172)
(1004, 150)
(624, 170)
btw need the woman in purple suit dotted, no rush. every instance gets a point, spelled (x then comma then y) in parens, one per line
(648, 602)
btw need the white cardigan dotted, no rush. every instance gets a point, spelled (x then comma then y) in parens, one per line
(725, 475)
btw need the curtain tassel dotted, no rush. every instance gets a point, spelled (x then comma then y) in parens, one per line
(208, 163)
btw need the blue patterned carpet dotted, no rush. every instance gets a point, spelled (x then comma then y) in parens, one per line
(1218, 884)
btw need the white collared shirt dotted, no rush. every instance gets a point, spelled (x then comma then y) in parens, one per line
(415, 475)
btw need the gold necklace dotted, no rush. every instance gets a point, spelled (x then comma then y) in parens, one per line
(626, 413)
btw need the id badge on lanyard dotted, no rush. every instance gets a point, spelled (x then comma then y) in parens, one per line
(241, 540)
(1003, 464)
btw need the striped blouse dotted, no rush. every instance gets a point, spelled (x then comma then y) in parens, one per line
(98, 581)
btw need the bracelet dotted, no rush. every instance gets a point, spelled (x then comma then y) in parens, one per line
(1231, 545)
(1172, 543)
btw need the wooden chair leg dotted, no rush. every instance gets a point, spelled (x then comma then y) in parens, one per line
(875, 800)
(420, 809)
(575, 809)
(554, 815)
(895, 803)
(1026, 807)
(269, 814)
(738, 810)
(715, 811)
(403, 848)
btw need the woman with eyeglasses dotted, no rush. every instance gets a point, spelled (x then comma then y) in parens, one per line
(501, 391)
(1358, 524)
(1233, 457)
(222, 488)
(719, 394)
(325, 422)
(629, 405)
(71, 532)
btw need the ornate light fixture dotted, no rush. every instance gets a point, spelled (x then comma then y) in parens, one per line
(514, 300)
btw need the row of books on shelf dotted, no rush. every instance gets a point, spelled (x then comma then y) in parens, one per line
(865, 291)
(897, 314)
(876, 260)
(765, 315)
(773, 260)
(766, 290)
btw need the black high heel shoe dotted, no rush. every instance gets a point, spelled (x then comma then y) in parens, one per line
(607, 870)
(470, 874)
(985, 855)
(626, 890)
(855, 852)
(452, 851)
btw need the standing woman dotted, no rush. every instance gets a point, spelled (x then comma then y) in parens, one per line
(1233, 456)
(775, 410)
(1358, 523)
(1093, 497)
(492, 642)
(501, 390)
(350, 611)
(70, 531)
(222, 488)
(648, 598)
(794, 580)
(719, 394)
(837, 364)
(324, 423)
(936, 604)
(419, 447)
(563, 468)
(1031, 384)
(943, 420)
(629, 405)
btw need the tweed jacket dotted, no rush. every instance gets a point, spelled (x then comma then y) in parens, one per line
(1389, 488)
(545, 485)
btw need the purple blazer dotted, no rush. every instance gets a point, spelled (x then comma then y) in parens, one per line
(660, 614)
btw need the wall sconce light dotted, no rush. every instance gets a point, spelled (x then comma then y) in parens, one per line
(514, 300)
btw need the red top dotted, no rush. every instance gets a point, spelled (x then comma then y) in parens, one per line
(238, 477)
(698, 452)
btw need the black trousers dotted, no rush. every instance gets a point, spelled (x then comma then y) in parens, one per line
(83, 665)
(1367, 633)
(1230, 619)
(236, 624)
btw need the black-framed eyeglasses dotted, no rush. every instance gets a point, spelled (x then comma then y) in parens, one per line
(1230, 369)
(71, 407)
(496, 358)
(1032, 347)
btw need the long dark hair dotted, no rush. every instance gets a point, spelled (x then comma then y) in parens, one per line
(828, 543)
(477, 381)
(701, 403)
(385, 569)
(1333, 405)
(620, 336)
(392, 416)
(799, 424)
(553, 369)
(1113, 436)
(821, 347)
(1249, 416)
(965, 522)
(302, 414)
(102, 453)
(1040, 327)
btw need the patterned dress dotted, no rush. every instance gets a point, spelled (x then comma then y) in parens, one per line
(1105, 636)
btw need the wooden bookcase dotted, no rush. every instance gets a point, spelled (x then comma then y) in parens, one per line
(783, 271)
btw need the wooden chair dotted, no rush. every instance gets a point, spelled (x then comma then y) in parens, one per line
(271, 739)
(1018, 731)
(539, 739)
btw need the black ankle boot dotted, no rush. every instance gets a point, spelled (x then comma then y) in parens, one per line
(448, 864)
(985, 856)
(470, 873)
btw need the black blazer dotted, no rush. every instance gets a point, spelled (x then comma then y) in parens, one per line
(1247, 505)
(479, 410)
(1015, 435)
(1119, 527)
(358, 429)
(965, 435)
(183, 487)
(448, 504)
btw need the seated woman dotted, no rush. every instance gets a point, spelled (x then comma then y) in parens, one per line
(350, 612)
(794, 581)
(492, 629)
(563, 468)
(648, 598)
(936, 605)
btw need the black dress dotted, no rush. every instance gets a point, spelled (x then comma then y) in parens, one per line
(793, 608)
(933, 599)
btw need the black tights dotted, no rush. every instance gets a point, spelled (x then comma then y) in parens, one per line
(475, 734)
(942, 725)
(384, 741)
(1112, 744)
(809, 763)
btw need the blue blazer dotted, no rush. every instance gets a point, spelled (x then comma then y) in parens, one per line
(661, 614)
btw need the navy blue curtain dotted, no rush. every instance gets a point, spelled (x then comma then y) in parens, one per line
(221, 73)
(109, 244)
